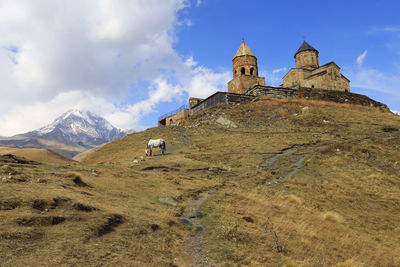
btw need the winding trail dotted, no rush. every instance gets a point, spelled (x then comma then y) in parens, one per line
(194, 250)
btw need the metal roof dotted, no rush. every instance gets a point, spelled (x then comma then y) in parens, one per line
(305, 47)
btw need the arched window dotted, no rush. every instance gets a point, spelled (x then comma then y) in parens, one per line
(235, 72)
(312, 86)
(346, 90)
(251, 71)
(242, 71)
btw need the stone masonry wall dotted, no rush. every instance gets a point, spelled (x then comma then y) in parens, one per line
(278, 92)
(340, 97)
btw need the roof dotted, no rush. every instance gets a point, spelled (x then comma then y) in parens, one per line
(244, 50)
(305, 47)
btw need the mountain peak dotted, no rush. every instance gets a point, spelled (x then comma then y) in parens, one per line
(81, 126)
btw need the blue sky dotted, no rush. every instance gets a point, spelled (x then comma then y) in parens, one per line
(133, 61)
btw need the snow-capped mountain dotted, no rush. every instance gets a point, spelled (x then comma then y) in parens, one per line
(82, 127)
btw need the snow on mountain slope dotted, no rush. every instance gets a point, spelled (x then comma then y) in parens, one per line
(82, 127)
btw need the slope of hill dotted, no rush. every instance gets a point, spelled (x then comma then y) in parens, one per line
(268, 183)
(36, 154)
(72, 133)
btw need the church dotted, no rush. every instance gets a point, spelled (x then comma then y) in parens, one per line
(308, 72)
(308, 80)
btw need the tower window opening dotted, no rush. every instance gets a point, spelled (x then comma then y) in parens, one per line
(251, 71)
(312, 86)
(242, 71)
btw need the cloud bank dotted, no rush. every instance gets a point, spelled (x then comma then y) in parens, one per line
(57, 55)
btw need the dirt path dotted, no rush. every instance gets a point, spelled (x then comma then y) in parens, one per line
(194, 250)
(285, 164)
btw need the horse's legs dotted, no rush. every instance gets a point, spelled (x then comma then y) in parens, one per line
(151, 151)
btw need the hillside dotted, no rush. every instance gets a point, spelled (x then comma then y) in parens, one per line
(288, 183)
(36, 154)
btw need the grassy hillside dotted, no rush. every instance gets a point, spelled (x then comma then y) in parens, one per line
(296, 183)
(36, 154)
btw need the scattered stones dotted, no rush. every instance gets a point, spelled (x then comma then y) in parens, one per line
(305, 108)
(199, 228)
(225, 122)
(196, 214)
(185, 222)
(212, 191)
(167, 200)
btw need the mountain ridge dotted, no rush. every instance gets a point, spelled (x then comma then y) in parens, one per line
(69, 134)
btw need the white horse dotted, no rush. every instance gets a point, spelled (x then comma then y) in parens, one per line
(155, 143)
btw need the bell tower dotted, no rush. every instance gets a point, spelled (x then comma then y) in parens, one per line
(306, 56)
(245, 71)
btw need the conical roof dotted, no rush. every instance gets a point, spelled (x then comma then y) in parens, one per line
(244, 50)
(305, 47)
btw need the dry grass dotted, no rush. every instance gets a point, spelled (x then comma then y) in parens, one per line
(332, 217)
(256, 218)
(36, 154)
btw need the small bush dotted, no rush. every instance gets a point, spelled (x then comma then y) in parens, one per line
(293, 199)
(389, 129)
(9, 204)
(76, 178)
(73, 175)
(39, 204)
(57, 201)
(332, 217)
(83, 207)
(40, 221)
(108, 224)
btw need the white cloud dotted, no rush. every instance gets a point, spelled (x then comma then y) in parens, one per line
(274, 77)
(389, 29)
(57, 55)
(361, 58)
(385, 84)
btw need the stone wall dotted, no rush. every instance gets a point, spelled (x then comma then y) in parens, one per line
(339, 97)
(181, 115)
(232, 98)
(278, 92)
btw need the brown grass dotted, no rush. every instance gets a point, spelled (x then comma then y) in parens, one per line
(37, 154)
(256, 218)
(332, 217)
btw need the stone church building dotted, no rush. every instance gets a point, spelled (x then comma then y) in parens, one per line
(308, 72)
(308, 80)
(245, 71)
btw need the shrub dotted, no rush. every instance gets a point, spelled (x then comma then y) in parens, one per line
(332, 217)
(389, 129)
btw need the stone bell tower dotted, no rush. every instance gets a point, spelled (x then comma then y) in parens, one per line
(306, 57)
(245, 71)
